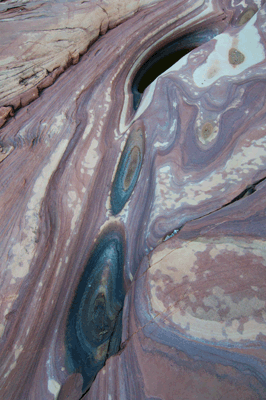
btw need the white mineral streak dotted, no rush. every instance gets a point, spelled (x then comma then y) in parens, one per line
(58, 267)
(123, 215)
(164, 145)
(107, 95)
(258, 2)
(54, 387)
(76, 212)
(174, 265)
(22, 252)
(241, 3)
(17, 351)
(50, 130)
(91, 157)
(146, 100)
(177, 66)
(217, 64)
(89, 126)
(72, 194)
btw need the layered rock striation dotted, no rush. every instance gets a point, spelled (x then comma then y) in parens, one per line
(133, 233)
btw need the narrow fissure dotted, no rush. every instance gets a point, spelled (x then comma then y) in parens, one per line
(112, 348)
(247, 192)
(250, 189)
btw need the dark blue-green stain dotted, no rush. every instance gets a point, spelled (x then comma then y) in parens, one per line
(128, 170)
(94, 322)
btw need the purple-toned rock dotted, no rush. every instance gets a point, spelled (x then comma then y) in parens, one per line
(133, 224)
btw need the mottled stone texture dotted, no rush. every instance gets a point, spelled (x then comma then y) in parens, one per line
(164, 205)
(40, 39)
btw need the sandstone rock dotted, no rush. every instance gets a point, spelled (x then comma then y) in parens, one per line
(171, 194)
(41, 37)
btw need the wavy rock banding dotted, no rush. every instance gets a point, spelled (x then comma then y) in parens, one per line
(160, 209)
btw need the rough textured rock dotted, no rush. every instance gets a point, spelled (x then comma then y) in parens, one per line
(40, 39)
(174, 190)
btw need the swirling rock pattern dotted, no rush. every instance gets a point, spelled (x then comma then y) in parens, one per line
(159, 210)
(197, 312)
(95, 317)
(128, 169)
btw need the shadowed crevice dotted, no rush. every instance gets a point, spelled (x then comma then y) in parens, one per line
(246, 192)
(164, 58)
(250, 189)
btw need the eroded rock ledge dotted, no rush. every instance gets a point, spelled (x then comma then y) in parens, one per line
(41, 39)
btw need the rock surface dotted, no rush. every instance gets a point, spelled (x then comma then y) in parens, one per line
(40, 39)
(178, 183)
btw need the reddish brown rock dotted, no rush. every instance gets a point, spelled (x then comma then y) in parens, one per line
(5, 112)
(40, 37)
(194, 169)
(196, 312)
